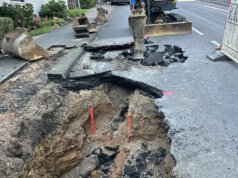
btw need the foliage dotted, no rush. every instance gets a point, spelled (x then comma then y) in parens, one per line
(47, 25)
(55, 8)
(38, 21)
(6, 26)
(86, 4)
(43, 30)
(75, 12)
(47, 22)
(59, 21)
(22, 15)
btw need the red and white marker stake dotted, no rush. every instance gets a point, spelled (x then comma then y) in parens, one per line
(92, 121)
(129, 127)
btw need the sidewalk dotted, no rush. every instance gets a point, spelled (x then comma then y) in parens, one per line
(65, 35)
(62, 36)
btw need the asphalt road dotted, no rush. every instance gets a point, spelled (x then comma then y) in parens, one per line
(203, 111)
(208, 19)
(118, 24)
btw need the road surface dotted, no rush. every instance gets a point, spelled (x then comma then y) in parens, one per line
(203, 111)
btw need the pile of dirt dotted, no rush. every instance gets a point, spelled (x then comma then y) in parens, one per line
(54, 137)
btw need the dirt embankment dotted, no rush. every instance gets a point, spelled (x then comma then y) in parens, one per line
(53, 136)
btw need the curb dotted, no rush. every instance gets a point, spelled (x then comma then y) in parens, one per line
(62, 69)
(9, 75)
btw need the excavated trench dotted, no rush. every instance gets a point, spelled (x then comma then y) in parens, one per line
(55, 137)
(57, 140)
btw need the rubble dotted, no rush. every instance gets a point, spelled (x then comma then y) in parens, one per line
(153, 55)
(109, 44)
(92, 81)
(169, 55)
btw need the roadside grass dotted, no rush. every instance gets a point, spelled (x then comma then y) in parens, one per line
(43, 30)
(75, 12)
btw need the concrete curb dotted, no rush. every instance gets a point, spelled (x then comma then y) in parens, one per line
(9, 75)
(62, 69)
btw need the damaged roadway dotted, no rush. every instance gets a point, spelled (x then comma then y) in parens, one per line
(202, 112)
(189, 132)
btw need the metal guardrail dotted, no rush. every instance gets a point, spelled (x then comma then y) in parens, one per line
(230, 40)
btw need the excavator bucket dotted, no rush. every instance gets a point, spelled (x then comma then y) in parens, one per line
(162, 22)
(174, 28)
(81, 24)
(20, 44)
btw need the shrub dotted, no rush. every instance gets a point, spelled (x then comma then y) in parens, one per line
(22, 15)
(86, 4)
(6, 26)
(38, 21)
(55, 8)
(47, 22)
(75, 12)
(59, 21)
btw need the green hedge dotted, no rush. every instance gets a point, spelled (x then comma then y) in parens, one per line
(6, 26)
(75, 12)
(86, 4)
(55, 8)
(22, 15)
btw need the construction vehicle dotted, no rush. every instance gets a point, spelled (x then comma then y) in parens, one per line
(114, 2)
(150, 17)
(162, 22)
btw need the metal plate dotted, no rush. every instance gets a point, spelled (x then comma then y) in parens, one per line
(230, 41)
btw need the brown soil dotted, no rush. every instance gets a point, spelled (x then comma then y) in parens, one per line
(45, 130)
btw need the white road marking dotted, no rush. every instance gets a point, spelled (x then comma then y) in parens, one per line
(216, 8)
(215, 43)
(198, 32)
